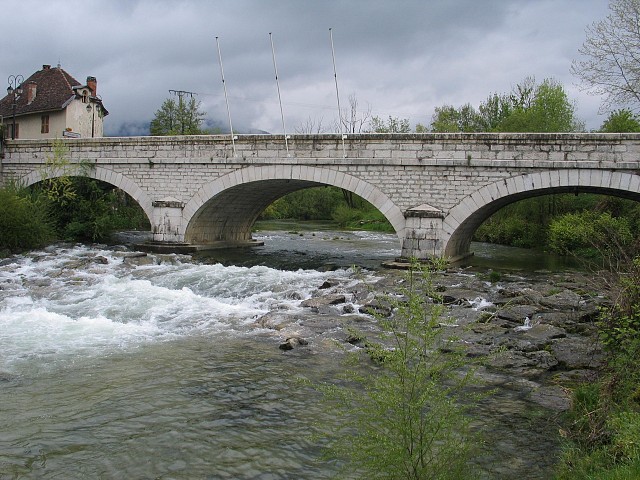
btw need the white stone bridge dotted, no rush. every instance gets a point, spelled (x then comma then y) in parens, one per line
(435, 189)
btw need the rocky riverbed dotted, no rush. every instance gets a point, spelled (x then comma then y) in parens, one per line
(529, 339)
(536, 334)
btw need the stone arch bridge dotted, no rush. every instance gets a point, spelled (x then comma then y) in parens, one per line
(435, 189)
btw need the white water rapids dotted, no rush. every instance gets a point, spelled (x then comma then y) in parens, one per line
(67, 303)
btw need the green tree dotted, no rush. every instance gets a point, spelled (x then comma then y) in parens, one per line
(445, 119)
(610, 63)
(451, 119)
(178, 118)
(24, 221)
(547, 110)
(528, 108)
(493, 111)
(621, 121)
(391, 125)
(403, 419)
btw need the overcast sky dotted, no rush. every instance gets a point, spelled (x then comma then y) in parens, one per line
(400, 58)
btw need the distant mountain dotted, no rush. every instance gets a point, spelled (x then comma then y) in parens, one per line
(127, 129)
(141, 129)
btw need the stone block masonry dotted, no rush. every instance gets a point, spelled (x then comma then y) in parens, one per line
(435, 189)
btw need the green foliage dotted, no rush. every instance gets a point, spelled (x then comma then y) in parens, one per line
(391, 125)
(67, 204)
(24, 223)
(527, 223)
(344, 216)
(308, 204)
(549, 111)
(604, 428)
(93, 211)
(529, 108)
(621, 121)
(619, 324)
(510, 230)
(448, 119)
(587, 233)
(178, 118)
(328, 203)
(401, 417)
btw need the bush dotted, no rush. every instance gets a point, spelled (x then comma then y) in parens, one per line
(514, 231)
(401, 417)
(588, 233)
(84, 209)
(24, 223)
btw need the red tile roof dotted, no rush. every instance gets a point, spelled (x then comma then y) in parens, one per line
(53, 92)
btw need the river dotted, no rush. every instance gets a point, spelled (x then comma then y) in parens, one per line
(115, 369)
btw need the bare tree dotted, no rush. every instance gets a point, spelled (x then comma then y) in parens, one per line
(611, 56)
(311, 126)
(354, 120)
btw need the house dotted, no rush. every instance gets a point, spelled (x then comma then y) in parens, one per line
(52, 104)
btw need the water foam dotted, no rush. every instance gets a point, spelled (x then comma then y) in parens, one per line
(83, 301)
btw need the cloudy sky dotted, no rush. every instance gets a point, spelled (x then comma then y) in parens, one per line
(400, 58)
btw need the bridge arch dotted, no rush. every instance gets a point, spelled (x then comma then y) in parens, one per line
(98, 173)
(463, 219)
(226, 208)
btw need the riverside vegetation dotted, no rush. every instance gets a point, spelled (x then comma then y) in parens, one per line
(67, 205)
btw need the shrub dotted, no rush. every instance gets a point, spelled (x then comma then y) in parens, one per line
(401, 417)
(24, 223)
(588, 233)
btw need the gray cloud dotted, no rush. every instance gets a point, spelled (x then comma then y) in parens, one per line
(403, 58)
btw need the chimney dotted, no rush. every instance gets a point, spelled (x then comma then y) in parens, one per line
(92, 83)
(30, 89)
(46, 67)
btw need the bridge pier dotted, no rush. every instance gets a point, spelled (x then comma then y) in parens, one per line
(423, 237)
(167, 225)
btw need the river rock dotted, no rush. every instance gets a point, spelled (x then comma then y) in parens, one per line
(100, 260)
(317, 302)
(138, 259)
(553, 397)
(542, 334)
(273, 321)
(516, 313)
(520, 294)
(528, 364)
(330, 283)
(377, 307)
(574, 353)
(292, 342)
(459, 296)
(564, 300)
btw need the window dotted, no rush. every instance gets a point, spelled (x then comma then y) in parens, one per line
(44, 128)
(85, 96)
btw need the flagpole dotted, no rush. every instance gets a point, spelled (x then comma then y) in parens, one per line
(275, 69)
(335, 76)
(226, 98)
